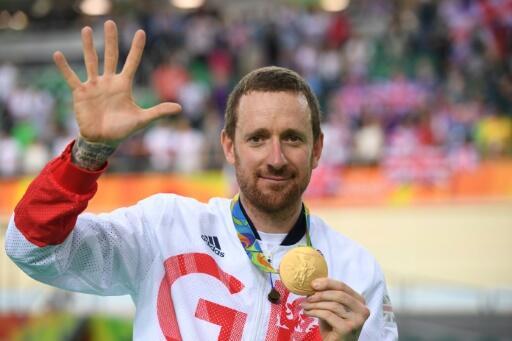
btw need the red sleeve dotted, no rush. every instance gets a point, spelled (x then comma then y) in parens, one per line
(48, 210)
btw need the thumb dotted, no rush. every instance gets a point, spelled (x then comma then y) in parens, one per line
(160, 110)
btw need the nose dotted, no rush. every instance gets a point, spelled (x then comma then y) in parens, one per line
(277, 159)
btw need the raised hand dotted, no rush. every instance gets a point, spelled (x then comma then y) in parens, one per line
(105, 110)
(341, 310)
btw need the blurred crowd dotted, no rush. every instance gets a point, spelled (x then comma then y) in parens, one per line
(422, 90)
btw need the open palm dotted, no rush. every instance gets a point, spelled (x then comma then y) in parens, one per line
(103, 104)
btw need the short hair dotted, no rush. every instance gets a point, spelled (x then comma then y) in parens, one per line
(271, 79)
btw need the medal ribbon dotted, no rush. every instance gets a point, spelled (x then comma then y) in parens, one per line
(248, 239)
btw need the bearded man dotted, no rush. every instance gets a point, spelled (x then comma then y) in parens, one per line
(199, 271)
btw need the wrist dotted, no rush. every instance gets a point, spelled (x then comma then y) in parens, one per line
(91, 155)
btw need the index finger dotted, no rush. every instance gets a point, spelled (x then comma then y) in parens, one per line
(322, 284)
(135, 54)
(66, 71)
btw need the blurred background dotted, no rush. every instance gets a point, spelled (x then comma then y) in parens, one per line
(417, 162)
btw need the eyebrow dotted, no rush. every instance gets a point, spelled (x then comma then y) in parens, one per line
(266, 132)
(259, 131)
(290, 131)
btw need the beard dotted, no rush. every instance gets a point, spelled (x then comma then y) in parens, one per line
(272, 198)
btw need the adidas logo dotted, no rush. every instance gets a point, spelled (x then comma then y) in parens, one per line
(213, 243)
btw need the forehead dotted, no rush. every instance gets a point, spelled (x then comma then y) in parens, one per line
(273, 110)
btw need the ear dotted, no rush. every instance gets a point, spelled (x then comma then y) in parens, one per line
(228, 146)
(318, 145)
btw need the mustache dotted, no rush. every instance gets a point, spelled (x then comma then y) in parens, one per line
(284, 171)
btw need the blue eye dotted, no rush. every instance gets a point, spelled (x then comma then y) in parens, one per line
(255, 139)
(293, 138)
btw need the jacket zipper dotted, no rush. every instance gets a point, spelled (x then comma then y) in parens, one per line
(261, 320)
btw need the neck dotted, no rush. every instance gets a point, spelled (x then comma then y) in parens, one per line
(272, 222)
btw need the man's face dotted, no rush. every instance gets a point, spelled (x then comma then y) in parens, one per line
(273, 150)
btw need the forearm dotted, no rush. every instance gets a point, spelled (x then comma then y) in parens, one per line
(48, 210)
(49, 236)
(91, 155)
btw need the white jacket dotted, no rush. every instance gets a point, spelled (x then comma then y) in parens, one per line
(184, 267)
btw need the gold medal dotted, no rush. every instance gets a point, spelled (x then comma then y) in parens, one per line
(299, 267)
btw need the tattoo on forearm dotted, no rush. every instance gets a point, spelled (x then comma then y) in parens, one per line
(90, 155)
